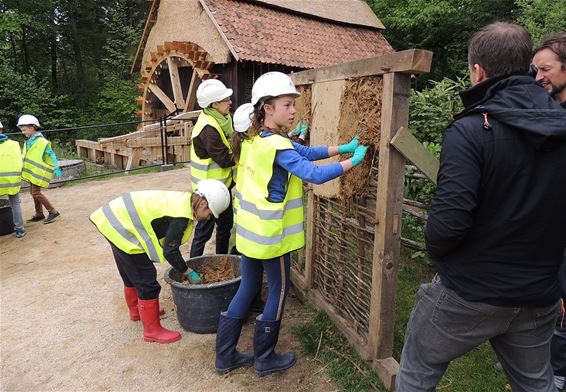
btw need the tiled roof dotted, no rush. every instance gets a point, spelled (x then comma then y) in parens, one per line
(270, 35)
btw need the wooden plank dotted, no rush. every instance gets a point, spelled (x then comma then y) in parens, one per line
(156, 141)
(389, 210)
(309, 246)
(134, 158)
(176, 83)
(407, 61)
(191, 100)
(341, 323)
(386, 369)
(298, 281)
(415, 152)
(160, 94)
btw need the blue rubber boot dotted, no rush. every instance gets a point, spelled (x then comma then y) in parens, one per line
(227, 336)
(267, 361)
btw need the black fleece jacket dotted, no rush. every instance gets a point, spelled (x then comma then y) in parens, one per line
(497, 226)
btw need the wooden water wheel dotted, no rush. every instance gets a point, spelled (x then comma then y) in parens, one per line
(170, 79)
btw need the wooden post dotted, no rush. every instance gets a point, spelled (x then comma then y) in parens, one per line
(389, 210)
(309, 248)
(176, 83)
(191, 100)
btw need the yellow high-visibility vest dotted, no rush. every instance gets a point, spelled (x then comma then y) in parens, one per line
(265, 230)
(126, 221)
(36, 170)
(10, 167)
(202, 169)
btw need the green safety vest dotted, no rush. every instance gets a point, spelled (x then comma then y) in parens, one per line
(10, 167)
(37, 170)
(126, 221)
(202, 169)
(265, 230)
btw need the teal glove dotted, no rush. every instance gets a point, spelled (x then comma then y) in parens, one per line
(359, 155)
(192, 277)
(58, 172)
(300, 130)
(349, 147)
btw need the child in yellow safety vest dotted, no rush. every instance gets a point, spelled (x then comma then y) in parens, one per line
(147, 227)
(10, 179)
(40, 163)
(269, 219)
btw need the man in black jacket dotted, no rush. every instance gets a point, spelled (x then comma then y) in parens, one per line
(496, 230)
(550, 59)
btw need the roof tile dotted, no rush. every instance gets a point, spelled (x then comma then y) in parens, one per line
(270, 35)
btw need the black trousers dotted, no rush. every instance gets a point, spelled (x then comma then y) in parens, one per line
(204, 229)
(137, 271)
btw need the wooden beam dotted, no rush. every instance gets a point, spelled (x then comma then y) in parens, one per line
(176, 83)
(386, 369)
(340, 322)
(388, 216)
(298, 281)
(415, 152)
(160, 94)
(407, 61)
(309, 247)
(191, 100)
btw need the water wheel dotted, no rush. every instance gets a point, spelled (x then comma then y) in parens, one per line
(170, 79)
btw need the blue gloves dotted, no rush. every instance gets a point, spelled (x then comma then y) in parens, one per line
(192, 277)
(349, 147)
(58, 172)
(359, 155)
(300, 130)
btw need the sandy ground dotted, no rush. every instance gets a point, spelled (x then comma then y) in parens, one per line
(64, 324)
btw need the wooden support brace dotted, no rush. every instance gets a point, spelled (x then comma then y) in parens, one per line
(176, 83)
(415, 152)
(160, 94)
(407, 61)
(386, 369)
(191, 100)
(389, 211)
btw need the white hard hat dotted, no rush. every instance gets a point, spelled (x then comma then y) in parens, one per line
(216, 194)
(1, 126)
(210, 91)
(243, 117)
(272, 84)
(28, 119)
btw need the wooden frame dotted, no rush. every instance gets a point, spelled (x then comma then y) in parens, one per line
(396, 69)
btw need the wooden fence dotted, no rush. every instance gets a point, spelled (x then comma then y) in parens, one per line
(349, 265)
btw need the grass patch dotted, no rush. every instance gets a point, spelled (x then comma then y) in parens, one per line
(320, 339)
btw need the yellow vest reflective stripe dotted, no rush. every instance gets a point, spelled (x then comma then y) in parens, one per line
(126, 221)
(10, 167)
(264, 229)
(202, 169)
(36, 170)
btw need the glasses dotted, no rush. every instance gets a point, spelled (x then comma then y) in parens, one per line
(226, 100)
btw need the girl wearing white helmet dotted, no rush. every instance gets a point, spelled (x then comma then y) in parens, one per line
(40, 163)
(269, 221)
(211, 158)
(125, 223)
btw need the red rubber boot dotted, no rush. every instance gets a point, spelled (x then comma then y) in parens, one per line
(131, 295)
(152, 329)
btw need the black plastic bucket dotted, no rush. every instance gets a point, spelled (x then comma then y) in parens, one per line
(6, 221)
(199, 305)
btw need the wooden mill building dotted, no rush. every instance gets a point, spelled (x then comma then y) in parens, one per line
(186, 41)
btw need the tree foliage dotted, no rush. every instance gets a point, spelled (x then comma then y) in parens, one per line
(68, 61)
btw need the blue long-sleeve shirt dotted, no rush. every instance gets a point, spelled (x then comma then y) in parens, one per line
(298, 162)
(48, 151)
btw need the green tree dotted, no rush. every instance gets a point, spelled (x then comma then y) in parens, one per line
(541, 17)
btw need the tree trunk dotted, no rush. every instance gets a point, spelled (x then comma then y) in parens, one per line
(25, 56)
(77, 50)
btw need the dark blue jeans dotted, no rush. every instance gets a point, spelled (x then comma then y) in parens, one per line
(444, 326)
(204, 229)
(278, 272)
